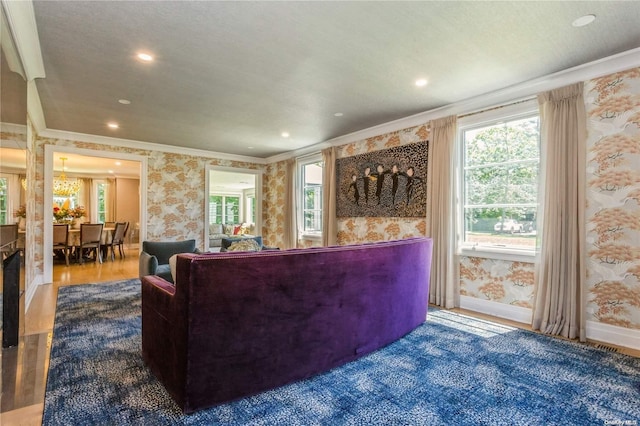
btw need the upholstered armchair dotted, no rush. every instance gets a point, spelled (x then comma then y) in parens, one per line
(154, 259)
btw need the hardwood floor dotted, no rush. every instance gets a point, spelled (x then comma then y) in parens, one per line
(24, 367)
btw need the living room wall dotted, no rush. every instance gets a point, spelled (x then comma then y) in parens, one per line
(612, 210)
(175, 192)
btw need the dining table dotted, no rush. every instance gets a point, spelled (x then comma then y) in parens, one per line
(74, 235)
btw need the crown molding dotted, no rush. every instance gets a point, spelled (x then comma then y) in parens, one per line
(148, 146)
(518, 92)
(21, 20)
(20, 129)
(34, 107)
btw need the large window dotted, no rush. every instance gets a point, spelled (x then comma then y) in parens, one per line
(310, 197)
(224, 209)
(500, 160)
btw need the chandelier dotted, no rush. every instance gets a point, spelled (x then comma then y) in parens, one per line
(63, 187)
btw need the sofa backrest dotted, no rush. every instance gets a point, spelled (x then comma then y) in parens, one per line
(163, 250)
(246, 322)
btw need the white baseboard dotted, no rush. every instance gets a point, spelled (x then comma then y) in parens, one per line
(31, 291)
(605, 333)
(501, 310)
(627, 337)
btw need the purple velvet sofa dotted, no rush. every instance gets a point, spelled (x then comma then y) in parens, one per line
(236, 324)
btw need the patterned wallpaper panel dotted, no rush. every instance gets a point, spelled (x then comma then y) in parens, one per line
(273, 200)
(613, 199)
(497, 280)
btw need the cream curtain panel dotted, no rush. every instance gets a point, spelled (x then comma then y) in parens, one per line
(329, 221)
(559, 303)
(444, 288)
(290, 227)
(110, 200)
(87, 194)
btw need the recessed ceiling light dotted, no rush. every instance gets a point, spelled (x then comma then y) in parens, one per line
(124, 101)
(584, 20)
(421, 82)
(118, 163)
(145, 57)
(285, 134)
(338, 114)
(249, 147)
(110, 171)
(113, 125)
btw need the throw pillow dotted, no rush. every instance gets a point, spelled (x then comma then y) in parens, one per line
(244, 245)
(237, 230)
(172, 264)
(228, 229)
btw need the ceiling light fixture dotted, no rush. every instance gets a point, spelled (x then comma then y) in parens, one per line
(124, 101)
(421, 82)
(338, 114)
(63, 187)
(285, 134)
(118, 163)
(583, 21)
(113, 125)
(145, 57)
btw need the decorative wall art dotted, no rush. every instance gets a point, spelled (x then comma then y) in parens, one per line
(386, 183)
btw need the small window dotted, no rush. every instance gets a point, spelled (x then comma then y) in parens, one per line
(102, 192)
(310, 197)
(224, 209)
(500, 166)
(4, 201)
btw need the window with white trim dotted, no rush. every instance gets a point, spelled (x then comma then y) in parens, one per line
(310, 171)
(499, 182)
(224, 209)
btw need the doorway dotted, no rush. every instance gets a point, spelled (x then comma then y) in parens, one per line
(233, 202)
(88, 158)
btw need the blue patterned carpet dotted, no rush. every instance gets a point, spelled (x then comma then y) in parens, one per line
(453, 370)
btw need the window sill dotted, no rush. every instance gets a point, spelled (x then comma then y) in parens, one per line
(311, 237)
(501, 253)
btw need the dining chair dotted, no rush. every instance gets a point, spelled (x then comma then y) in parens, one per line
(61, 240)
(117, 240)
(8, 239)
(90, 238)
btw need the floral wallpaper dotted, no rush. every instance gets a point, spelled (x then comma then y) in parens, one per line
(273, 200)
(613, 199)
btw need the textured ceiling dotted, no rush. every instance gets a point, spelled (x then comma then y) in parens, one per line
(233, 75)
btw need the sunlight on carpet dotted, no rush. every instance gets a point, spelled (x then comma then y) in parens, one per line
(479, 327)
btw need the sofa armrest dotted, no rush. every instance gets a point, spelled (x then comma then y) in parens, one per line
(147, 264)
(161, 285)
(164, 333)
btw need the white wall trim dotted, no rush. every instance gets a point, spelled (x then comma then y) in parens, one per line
(31, 291)
(147, 146)
(22, 23)
(34, 107)
(20, 129)
(496, 309)
(627, 337)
